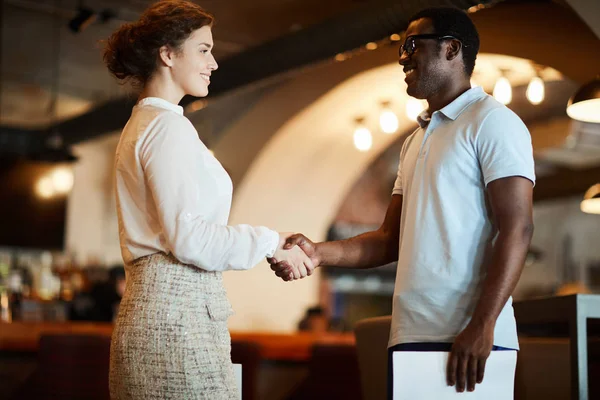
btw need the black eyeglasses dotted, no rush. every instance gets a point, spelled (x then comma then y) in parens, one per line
(410, 46)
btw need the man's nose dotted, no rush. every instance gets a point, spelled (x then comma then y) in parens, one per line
(404, 58)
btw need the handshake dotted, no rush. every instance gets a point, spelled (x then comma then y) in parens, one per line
(295, 257)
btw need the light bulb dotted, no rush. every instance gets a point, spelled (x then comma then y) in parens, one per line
(591, 200)
(535, 90)
(62, 180)
(45, 187)
(591, 206)
(363, 140)
(503, 90)
(414, 107)
(388, 121)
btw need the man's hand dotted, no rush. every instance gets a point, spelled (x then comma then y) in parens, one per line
(282, 266)
(292, 262)
(471, 348)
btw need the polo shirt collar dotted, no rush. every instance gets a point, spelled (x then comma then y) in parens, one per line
(456, 107)
(462, 102)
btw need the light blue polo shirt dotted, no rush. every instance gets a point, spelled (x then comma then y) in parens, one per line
(446, 229)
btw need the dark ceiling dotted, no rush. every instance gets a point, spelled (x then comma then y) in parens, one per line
(55, 90)
(54, 83)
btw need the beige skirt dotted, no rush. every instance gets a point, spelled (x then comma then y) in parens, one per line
(170, 339)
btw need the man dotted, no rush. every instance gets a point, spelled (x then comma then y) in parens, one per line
(460, 219)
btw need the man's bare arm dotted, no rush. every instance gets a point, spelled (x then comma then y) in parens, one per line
(511, 202)
(368, 250)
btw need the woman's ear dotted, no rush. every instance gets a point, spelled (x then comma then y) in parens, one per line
(166, 55)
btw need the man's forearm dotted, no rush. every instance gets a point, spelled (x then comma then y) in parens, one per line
(503, 274)
(368, 250)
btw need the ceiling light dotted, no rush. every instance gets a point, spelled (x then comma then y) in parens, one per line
(503, 90)
(585, 103)
(591, 200)
(535, 90)
(363, 140)
(388, 121)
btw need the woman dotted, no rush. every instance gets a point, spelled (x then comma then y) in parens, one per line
(170, 339)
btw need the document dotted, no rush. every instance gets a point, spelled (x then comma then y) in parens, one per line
(237, 370)
(422, 375)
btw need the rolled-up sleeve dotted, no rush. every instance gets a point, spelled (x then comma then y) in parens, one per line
(180, 183)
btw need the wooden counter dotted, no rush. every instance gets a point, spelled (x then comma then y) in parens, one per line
(24, 337)
(578, 312)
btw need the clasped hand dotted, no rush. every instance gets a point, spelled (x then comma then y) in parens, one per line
(294, 257)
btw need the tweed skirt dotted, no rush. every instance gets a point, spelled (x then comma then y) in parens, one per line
(170, 339)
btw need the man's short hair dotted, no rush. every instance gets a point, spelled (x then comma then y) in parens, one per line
(454, 22)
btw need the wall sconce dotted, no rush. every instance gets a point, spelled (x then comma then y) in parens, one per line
(44, 188)
(62, 180)
(585, 103)
(363, 140)
(388, 121)
(58, 182)
(591, 200)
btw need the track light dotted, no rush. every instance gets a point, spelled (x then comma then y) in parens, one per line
(85, 16)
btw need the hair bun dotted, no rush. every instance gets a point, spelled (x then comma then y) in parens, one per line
(120, 53)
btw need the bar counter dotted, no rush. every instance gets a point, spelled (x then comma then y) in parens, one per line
(275, 365)
(24, 337)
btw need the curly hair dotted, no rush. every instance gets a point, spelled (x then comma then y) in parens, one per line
(131, 52)
(454, 22)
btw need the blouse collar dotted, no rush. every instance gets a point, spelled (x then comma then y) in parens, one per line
(161, 103)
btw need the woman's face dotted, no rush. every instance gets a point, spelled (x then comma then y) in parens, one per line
(194, 63)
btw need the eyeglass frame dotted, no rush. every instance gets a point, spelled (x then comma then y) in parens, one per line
(424, 36)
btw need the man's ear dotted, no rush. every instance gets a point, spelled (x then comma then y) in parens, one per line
(166, 55)
(453, 49)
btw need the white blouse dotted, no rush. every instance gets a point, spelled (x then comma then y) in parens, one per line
(174, 196)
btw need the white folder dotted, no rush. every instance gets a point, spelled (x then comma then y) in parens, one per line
(237, 370)
(422, 375)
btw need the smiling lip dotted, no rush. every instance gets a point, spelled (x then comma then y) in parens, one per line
(206, 78)
(409, 71)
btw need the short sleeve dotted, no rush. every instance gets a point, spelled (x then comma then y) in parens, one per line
(504, 148)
